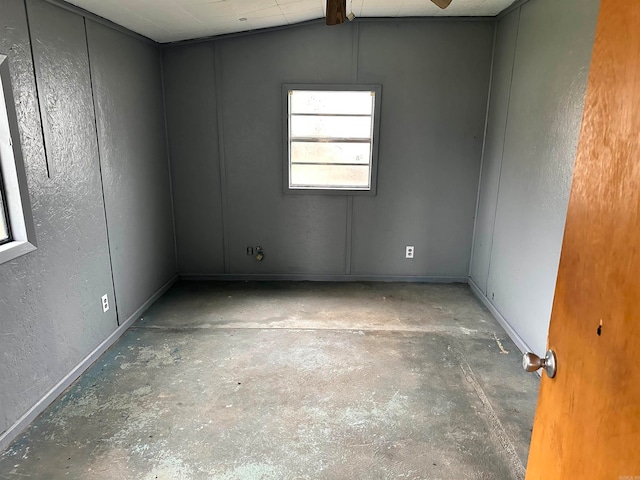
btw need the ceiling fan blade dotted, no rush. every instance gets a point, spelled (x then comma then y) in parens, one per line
(442, 3)
(336, 11)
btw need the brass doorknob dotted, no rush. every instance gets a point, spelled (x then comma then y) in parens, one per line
(532, 362)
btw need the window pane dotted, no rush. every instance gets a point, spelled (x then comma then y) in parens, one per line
(330, 138)
(4, 230)
(330, 127)
(333, 176)
(322, 152)
(350, 103)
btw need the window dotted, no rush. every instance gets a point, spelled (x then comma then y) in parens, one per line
(332, 137)
(17, 235)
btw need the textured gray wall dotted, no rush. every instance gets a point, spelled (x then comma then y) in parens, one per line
(50, 311)
(127, 85)
(300, 233)
(504, 51)
(195, 168)
(535, 160)
(434, 77)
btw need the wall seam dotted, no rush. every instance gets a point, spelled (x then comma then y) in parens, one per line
(320, 21)
(98, 19)
(511, 8)
(349, 236)
(355, 51)
(104, 203)
(168, 151)
(44, 123)
(217, 61)
(504, 139)
(484, 145)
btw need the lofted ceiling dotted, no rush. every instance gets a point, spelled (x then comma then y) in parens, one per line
(173, 20)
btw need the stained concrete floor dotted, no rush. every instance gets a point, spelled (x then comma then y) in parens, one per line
(294, 380)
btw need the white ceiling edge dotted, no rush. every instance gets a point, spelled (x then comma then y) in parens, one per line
(166, 21)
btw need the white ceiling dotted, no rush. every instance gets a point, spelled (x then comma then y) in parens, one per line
(172, 20)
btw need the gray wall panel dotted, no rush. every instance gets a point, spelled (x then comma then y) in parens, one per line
(131, 133)
(435, 79)
(300, 233)
(50, 310)
(189, 83)
(550, 71)
(505, 47)
(435, 82)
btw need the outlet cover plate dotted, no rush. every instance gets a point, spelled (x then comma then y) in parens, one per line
(105, 303)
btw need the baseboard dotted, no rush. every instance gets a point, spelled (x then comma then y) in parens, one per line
(259, 277)
(23, 422)
(152, 299)
(517, 339)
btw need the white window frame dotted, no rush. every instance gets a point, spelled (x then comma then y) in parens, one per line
(14, 180)
(375, 139)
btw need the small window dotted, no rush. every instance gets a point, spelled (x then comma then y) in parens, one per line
(332, 136)
(17, 235)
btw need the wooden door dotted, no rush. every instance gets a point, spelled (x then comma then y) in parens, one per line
(587, 423)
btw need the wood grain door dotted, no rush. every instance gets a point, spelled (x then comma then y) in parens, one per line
(587, 423)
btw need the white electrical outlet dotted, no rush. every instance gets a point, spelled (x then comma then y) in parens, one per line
(409, 251)
(105, 303)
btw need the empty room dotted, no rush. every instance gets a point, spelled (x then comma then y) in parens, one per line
(319, 239)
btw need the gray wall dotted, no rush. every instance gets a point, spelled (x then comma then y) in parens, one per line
(127, 86)
(541, 63)
(50, 311)
(225, 130)
(189, 80)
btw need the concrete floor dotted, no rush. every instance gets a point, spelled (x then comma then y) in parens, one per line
(294, 380)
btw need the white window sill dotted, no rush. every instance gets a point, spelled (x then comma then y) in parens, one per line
(12, 250)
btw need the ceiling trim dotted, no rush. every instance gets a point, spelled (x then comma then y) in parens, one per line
(103, 21)
(245, 33)
(320, 21)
